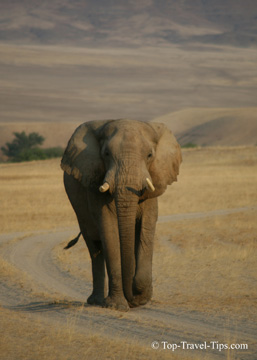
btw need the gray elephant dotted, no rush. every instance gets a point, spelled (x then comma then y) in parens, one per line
(114, 171)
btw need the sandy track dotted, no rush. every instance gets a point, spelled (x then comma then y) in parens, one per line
(46, 290)
(200, 215)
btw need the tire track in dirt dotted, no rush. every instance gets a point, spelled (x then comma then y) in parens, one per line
(200, 215)
(32, 254)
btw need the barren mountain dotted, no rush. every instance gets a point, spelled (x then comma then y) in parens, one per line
(215, 126)
(64, 62)
(199, 126)
(129, 23)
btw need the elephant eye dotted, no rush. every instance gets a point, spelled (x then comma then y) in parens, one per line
(106, 153)
(150, 155)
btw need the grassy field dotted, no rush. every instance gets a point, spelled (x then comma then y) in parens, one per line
(33, 197)
(205, 265)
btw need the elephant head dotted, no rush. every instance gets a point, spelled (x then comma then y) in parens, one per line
(129, 160)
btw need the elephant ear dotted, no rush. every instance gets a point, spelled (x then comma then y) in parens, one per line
(165, 167)
(82, 158)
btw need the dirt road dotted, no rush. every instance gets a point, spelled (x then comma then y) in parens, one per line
(37, 284)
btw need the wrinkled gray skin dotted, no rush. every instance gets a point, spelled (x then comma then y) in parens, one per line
(118, 225)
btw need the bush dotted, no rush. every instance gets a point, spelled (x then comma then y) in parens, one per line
(22, 142)
(189, 145)
(53, 152)
(24, 148)
(30, 155)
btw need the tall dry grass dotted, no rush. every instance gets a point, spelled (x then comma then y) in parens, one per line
(33, 197)
(209, 265)
(26, 337)
(211, 179)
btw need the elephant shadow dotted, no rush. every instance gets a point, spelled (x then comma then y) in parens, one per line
(42, 307)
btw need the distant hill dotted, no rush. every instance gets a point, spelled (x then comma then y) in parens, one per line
(134, 59)
(203, 127)
(132, 22)
(212, 127)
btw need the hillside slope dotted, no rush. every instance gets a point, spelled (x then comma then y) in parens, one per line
(132, 22)
(211, 127)
(201, 126)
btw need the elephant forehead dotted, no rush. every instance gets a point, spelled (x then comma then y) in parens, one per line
(129, 135)
(128, 140)
(129, 132)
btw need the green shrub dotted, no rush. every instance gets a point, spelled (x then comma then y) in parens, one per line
(189, 145)
(30, 155)
(53, 152)
(24, 148)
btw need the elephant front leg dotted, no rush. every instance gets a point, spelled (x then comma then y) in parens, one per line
(142, 284)
(111, 246)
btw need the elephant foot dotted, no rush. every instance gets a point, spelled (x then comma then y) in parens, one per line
(141, 299)
(94, 299)
(116, 303)
(138, 300)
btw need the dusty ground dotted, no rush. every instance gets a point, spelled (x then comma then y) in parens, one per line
(204, 267)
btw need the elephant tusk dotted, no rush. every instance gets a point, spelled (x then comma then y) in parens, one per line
(103, 188)
(150, 184)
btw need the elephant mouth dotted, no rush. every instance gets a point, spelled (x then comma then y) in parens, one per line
(148, 186)
(139, 193)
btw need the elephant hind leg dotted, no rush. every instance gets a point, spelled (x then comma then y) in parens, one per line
(98, 272)
(98, 268)
(79, 198)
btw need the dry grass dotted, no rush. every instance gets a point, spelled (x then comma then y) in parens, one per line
(209, 265)
(206, 265)
(213, 178)
(19, 340)
(33, 197)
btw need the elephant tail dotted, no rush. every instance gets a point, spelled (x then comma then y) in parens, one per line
(72, 242)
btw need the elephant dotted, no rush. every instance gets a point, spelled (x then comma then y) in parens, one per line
(114, 170)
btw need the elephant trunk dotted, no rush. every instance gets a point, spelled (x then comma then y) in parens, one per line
(126, 223)
(128, 183)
